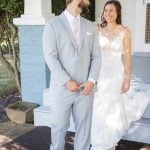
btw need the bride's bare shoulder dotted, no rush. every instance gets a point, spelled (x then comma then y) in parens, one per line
(125, 28)
(126, 31)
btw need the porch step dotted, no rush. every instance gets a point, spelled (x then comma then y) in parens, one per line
(46, 98)
(146, 114)
(42, 117)
(139, 131)
(146, 88)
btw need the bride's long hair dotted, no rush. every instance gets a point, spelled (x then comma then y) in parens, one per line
(118, 9)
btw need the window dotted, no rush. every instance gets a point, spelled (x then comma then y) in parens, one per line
(147, 29)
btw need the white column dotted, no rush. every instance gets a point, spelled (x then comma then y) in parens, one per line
(36, 12)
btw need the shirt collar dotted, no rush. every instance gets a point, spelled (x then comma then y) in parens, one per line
(69, 15)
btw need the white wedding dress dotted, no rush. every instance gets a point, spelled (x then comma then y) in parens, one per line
(112, 111)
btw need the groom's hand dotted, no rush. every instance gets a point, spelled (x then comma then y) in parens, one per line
(72, 86)
(87, 88)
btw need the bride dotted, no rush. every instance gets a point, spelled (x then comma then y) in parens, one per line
(111, 116)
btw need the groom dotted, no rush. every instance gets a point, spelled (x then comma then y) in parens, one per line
(72, 55)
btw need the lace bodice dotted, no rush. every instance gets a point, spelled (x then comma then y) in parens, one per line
(111, 43)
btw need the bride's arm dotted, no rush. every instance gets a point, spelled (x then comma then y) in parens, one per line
(127, 60)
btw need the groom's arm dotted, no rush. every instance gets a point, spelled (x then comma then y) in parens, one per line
(95, 58)
(94, 67)
(51, 55)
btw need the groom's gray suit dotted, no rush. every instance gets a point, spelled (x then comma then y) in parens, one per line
(67, 62)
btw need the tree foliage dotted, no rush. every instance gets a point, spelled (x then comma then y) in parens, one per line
(10, 9)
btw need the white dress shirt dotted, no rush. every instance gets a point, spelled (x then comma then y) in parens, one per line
(75, 26)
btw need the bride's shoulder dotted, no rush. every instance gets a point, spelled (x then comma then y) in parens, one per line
(126, 31)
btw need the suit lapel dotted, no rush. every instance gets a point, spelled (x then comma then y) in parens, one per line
(68, 29)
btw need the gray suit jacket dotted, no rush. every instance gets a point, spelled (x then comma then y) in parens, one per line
(62, 56)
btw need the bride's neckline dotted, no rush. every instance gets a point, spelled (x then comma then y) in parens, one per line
(111, 34)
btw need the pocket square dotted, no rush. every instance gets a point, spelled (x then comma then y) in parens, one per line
(88, 33)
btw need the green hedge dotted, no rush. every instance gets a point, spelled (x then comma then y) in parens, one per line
(3, 73)
(7, 87)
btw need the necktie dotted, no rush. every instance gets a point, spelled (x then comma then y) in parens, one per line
(76, 30)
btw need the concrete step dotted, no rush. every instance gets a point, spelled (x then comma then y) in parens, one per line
(139, 131)
(145, 88)
(146, 114)
(42, 117)
(140, 66)
(46, 98)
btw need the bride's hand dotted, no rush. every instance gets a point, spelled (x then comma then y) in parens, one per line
(87, 88)
(125, 85)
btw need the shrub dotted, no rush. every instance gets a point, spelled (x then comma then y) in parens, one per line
(7, 87)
